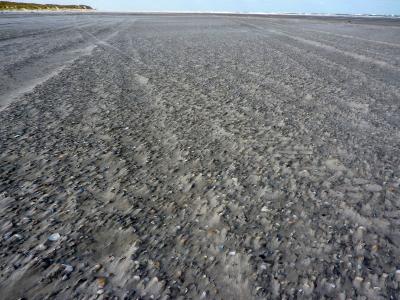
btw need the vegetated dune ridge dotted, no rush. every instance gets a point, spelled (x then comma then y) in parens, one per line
(199, 157)
(7, 5)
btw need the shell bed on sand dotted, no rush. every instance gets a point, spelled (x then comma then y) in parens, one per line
(199, 157)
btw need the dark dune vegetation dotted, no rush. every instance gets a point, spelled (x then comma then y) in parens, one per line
(7, 5)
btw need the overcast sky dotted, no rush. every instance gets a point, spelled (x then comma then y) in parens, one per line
(296, 6)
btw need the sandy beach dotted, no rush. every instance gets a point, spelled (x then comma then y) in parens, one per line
(147, 156)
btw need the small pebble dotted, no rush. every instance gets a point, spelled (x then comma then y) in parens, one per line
(68, 268)
(54, 237)
(100, 291)
(136, 277)
(308, 97)
(357, 281)
(17, 236)
(359, 233)
(397, 275)
(41, 247)
(101, 282)
(373, 188)
(97, 267)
